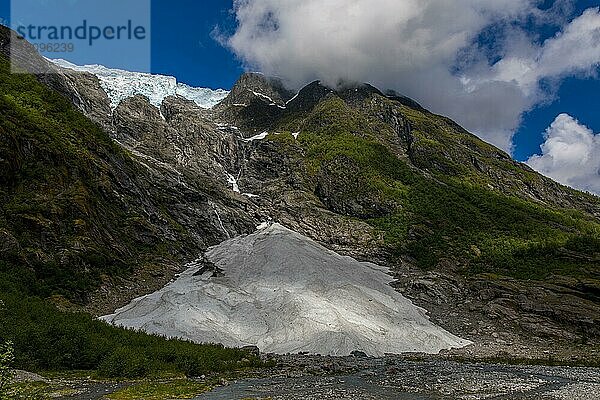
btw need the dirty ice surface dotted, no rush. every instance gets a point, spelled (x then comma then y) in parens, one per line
(285, 293)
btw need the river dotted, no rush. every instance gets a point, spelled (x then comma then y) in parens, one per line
(390, 378)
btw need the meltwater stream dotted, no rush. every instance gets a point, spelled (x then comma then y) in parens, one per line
(396, 379)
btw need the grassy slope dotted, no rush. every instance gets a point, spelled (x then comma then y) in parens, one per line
(448, 213)
(61, 228)
(46, 339)
(58, 196)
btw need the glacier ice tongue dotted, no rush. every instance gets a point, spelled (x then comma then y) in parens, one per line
(119, 85)
(287, 294)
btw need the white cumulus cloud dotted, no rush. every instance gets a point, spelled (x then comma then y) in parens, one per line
(570, 155)
(576, 49)
(429, 50)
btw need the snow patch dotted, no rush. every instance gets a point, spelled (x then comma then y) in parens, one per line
(120, 85)
(271, 101)
(225, 127)
(292, 99)
(262, 226)
(260, 136)
(220, 223)
(233, 182)
(287, 294)
(264, 96)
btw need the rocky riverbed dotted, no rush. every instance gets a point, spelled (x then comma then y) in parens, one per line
(322, 378)
(306, 377)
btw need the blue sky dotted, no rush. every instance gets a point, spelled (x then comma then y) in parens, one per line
(183, 46)
(578, 97)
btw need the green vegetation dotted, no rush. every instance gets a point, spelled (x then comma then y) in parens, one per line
(60, 214)
(449, 215)
(35, 391)
(48, 339)
(177, 389)
(146, 389)
(6, 372)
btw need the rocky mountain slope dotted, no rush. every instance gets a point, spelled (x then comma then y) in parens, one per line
(78, 209)
(364, 173)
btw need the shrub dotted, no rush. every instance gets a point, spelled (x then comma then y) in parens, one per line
(125, 362)
(6, 372)
(46, 338)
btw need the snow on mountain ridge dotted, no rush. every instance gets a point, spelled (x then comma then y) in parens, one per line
(120, 85)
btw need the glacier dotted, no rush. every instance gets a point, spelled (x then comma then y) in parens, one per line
(120, 84)
(285, 293)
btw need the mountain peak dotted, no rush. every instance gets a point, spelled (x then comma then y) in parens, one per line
(309, 96)
(357, 92)
(253, 85)
(408, 102)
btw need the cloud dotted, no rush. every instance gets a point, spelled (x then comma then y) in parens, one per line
(576, 49)
(570, 155)
(477, 61)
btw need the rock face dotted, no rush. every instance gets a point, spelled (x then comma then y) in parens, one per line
(254, 103)
(252, 86)
(284, 293)
(78, 205)
(309, 96)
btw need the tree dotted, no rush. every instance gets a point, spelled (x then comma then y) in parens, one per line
(6, 372)
(6, 359)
